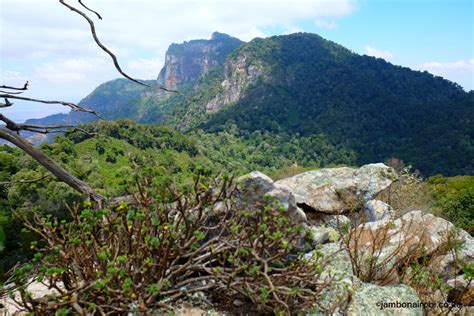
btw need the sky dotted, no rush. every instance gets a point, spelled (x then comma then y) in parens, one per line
(50, 46)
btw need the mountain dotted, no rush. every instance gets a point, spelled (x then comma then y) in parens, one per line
(281, 92)
(304, 85)
(188, 61)
(118, 98)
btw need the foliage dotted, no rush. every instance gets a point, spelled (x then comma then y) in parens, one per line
(108, 156)
(139, 136)
(132, 259)
(408, 191)
(361, 103)
(312, 88)
(454, 200)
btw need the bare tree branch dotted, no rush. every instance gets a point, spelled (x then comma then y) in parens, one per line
(11, 92)
(24, 180)
(10, 131)
(104, 48)
(99, 43)
(98, 15)
(51, 165)
(73, 106)
(6, 104)
(42, 129)
(25, 87)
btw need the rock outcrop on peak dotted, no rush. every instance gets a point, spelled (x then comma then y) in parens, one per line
(239, 74)
(190, 60)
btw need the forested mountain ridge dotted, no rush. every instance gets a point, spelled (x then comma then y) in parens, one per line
(299, 86)
(302, 85)
(313, 86)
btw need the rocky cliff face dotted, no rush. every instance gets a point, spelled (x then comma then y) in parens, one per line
(239, 73)
(188, 61)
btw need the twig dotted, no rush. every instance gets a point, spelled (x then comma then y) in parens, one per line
(98, 15)
(24, 181)
(25, 87)
(73, 106)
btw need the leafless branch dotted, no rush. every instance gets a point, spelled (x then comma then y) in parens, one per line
(6, 104)
(103, 47)
(73, 106)
(25, 87)
(99, 43)
(98, 15)
(11, 92)
(24, 180)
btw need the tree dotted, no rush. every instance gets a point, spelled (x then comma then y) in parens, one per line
(11, 130)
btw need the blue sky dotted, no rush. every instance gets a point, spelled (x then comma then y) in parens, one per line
(43, 42)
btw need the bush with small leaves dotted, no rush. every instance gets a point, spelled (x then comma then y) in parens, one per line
(147, 255)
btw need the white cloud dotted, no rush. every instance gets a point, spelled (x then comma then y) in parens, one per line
(146, 68)
(53, 48)
(385, 54)
(325, 24)
(446, 67)
(12, 78)
(49, 28)
(460, 71)
(72, 70)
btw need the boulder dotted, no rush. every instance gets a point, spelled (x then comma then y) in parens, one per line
(449, 264)
(287, 199)
(256, 186)
(338, 190)
(371, 299)
(414, 235)
(321, 234)
(335, 221)
(376, 210)
(337, 271)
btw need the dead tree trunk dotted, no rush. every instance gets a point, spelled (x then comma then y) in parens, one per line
(51, 165)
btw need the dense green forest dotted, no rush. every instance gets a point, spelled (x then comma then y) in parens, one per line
(366, 104)
(339, 106)
(113, 156)
(315, 104)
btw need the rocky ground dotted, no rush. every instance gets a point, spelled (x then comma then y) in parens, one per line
(379, 260)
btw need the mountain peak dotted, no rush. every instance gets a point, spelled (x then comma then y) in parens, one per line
(219, 36)
(188, 61)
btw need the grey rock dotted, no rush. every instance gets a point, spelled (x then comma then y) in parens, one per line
(462, 289)
(415, 233)
(448, 265)
(256, 187)
(376, 210)
(239, 74)
(188, 61)
(337, 190)
(321, 234)
(335, 221)
(337, 271)
(287, 199)
(369, 299)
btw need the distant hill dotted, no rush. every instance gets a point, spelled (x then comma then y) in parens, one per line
(303, 89)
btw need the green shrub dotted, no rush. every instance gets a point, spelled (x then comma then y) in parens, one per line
(146, 255)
